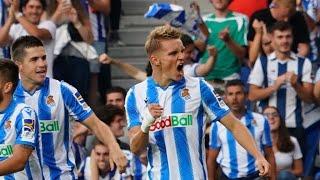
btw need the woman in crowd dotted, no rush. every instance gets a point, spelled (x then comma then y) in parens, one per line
(285, 147)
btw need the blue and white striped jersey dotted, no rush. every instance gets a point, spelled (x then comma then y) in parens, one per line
(19, 126)
(176, 140)
(97, 20)
(264, 74)
(311, 112)
(54, 103)
(234, 160)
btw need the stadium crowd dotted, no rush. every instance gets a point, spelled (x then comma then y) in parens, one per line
(241, 102)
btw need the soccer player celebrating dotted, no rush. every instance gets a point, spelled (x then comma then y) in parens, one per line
(55, 102)
(19, 138)
(167, 114)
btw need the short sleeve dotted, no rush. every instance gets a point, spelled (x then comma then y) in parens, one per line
(214, 141)
(75, 103)
(213, 104)
(256, 76)
(297, 150)
(50, 26)
(241, 36)
(133, 116)
(27, 127)
(266, 137)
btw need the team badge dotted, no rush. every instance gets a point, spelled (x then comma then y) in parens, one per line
(185, 94)
(50, 101)
(7, 125)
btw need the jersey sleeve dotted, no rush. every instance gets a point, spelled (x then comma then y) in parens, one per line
(213, 104)
(50, 26)
(75, 103)
(306, 72)
(133, 115)
(214, 141)
(27, 128)
(266, 136)
(241, 36)
(256, 76)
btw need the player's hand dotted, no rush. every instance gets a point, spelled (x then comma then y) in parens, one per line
(263, 166)
(279, 81)
(212, 51)
(117, 157)
(105, 59)
(224, 35)
(292, 78)
(155, 110)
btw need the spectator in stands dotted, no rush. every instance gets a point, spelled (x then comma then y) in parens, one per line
(80, 133)
(70, 65)
(115, 96)
(100, 80)
(247, 7)
(115, 13)
(29, 24)
(4, 5)
(99, 163)
(283, 80)
(284, 10)
(233, 158)
(190, 67)
(286, 148)
(228, 32)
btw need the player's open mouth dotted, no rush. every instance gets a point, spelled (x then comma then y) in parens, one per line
(180, 67)
(41, 72)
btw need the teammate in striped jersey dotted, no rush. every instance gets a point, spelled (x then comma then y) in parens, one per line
(55, 102)
(225, 151)
(167, 114)
(19, 138)
(282, 79)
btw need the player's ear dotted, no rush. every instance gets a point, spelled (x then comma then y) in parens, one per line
(154, 60)
(7, 88)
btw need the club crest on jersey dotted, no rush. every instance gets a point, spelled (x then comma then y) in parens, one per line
(7, 125)
(185, 94)
(50, 101)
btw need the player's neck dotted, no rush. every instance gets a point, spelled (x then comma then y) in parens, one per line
(283, 55)
(160, 79)
(5, 102)
(239, 113)
(221, 13)
(29, 86)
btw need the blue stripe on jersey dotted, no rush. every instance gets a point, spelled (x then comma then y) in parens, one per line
(282, 92)
(28, 170)
(201, 136)
(137, 174)
(298, 111)
(9, 177)
(153, 97)
(180, 135)
(133, 114)
(264, 65)
(44, 113)
(150, 160)
(267, 136)
(232, 155)
(251, 160)
(66, 142)
(100, 36)
(18, 93)
(214, 136)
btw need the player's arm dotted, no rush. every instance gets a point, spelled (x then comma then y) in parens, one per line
(125, 67)
(17, 161)
(104, 134)
(139, 135)
(268, 153)
(212, 163)
(242, 135)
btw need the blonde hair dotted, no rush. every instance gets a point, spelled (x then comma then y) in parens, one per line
(160, 33)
